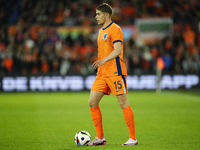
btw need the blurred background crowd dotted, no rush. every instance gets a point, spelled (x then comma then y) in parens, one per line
(31, 45)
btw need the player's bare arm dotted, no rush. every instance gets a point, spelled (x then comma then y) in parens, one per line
(116, 52)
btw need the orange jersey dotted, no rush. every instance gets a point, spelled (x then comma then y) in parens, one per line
(107, 37)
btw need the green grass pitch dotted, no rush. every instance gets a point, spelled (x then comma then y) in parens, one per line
(50, 120)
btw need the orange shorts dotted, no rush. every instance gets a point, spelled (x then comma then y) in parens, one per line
(115, 84)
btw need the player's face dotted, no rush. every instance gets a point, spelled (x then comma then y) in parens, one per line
(100, 17)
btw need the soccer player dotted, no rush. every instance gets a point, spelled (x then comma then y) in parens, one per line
(111, 75)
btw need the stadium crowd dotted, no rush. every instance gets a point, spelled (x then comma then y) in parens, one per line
(31, 45)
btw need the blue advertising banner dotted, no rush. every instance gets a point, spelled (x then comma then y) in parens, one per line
(79, 83)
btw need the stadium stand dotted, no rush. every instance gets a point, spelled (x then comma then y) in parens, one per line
(31, 45)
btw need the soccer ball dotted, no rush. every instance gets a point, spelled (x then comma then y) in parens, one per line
(82, 138)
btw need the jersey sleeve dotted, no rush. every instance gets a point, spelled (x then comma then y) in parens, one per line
(117, 35)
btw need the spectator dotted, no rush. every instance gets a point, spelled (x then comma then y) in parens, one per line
(31, 44)
(189, 35)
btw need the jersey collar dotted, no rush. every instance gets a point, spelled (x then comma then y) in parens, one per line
(107, 26)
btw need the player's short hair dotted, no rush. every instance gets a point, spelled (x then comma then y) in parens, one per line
(105, 8)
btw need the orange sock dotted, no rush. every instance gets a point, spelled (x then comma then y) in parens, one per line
(97, 120)
(129, 119)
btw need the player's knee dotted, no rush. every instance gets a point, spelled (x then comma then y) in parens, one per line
(89, 103)
(92, 103)
(121, 104)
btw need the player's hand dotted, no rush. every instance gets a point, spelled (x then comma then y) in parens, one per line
(98, 63)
